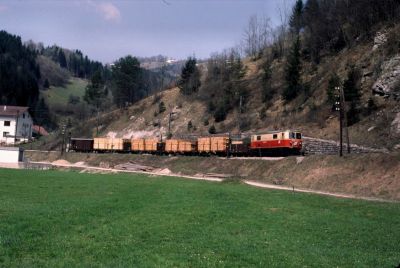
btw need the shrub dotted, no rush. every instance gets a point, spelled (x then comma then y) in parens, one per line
(212, 130)
(190, 125)
(161, 107)
(263, 113)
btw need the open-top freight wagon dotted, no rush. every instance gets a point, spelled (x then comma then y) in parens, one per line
(178, 146)
(276, 142)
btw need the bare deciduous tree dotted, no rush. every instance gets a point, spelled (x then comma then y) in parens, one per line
(257, 35)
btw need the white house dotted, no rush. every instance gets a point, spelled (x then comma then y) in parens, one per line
(15, 124)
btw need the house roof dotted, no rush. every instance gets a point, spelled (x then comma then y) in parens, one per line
(12, 110)
(40, 130)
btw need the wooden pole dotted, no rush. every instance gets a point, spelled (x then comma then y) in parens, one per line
(344, 112)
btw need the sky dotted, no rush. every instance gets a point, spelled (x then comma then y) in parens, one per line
(107, 30)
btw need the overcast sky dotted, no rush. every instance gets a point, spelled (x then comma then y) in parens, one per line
(106, 30)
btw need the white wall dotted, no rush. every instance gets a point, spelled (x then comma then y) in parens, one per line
(10, 155)
(24, 130)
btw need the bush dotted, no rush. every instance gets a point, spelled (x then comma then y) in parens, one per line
(263, 113)
(220, 114)
(190, 125)
(72, 99)
(206, 122)
(161, 107)
(212, 130)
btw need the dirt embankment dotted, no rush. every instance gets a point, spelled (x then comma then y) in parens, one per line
(372, 175)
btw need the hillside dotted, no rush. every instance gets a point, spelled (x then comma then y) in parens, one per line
(309, 112)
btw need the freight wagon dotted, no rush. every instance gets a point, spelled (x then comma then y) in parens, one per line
(176, 146)
(81, 145)
(213, 145)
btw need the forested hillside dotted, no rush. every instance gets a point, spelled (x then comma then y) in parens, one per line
(19, 72)
(287, 79)
(63, 86)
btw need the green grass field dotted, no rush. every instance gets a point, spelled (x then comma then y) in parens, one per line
(60, 95)
(67, 219)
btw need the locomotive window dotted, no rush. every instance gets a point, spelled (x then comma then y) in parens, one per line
(292, 135)
(258, 138)
(298, 136)
(275, 136)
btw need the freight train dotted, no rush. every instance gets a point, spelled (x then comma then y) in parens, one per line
(271, 143)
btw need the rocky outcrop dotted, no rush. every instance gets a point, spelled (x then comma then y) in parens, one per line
(320, 146)
(380, 39)
(389, 79)
(396, 124)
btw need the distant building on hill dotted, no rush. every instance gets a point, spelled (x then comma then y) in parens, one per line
(15, 124)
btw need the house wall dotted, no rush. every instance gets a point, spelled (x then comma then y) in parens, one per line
(24, 129)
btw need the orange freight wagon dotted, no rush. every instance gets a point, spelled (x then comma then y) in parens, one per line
(137, 145)
(110, 144)
(150, 145)
(219, 144)
(180, 146)
(204, 145)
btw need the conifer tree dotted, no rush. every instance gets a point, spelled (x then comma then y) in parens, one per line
(61, 59)
(189, 81)
(352, 94)
(296, 19)
(95, 91)
(46, 83)
(292, 72)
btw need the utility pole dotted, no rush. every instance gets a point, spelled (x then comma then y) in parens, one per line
(344, 112)
(63, 138)
(239, 113)
(338, 107)
(97, 122)
(16, 127)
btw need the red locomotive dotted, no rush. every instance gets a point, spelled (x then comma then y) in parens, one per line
(277, 141)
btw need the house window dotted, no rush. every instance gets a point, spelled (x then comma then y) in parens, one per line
(5, 134)
(275, 136)
(7, 123)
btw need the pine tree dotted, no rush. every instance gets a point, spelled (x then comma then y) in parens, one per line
(61, 59)
(296, 19)
(292, 72)
(46, 83)
(352, 95)
(127, 81)
(95, 91)
(189, 81)
(267, 92)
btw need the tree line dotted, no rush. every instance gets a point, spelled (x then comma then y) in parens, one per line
(19, 72)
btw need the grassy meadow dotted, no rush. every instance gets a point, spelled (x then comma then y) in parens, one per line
(68, 219)
(60, 95)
